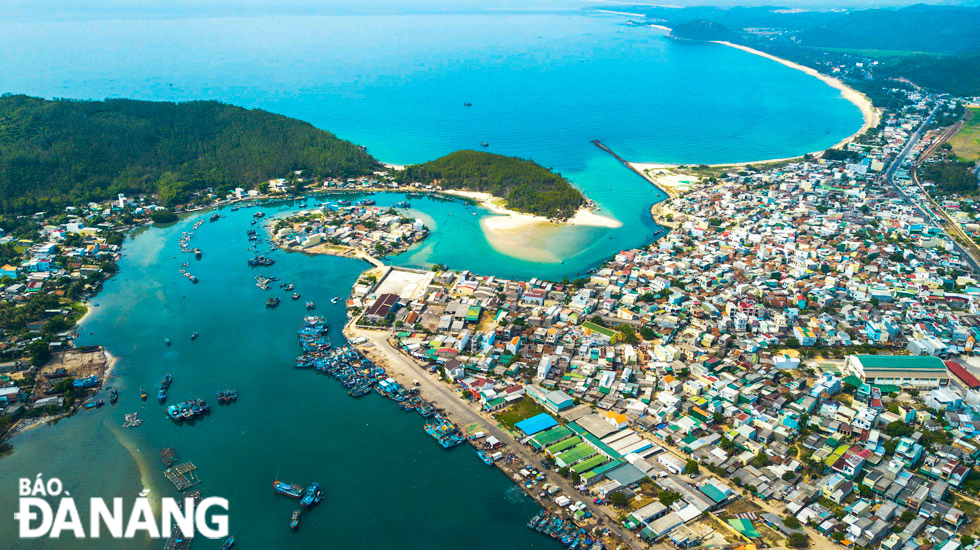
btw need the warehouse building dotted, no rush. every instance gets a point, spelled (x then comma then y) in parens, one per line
(900, 370)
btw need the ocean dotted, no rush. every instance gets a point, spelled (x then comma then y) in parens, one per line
(542, 85)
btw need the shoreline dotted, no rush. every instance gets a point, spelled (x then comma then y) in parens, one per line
(505, 219)
(871, 114)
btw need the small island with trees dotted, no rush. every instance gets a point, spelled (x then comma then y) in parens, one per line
(525, 185)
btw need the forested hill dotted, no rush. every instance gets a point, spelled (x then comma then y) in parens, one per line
(53, 153)
(701, 29)
(525, 185)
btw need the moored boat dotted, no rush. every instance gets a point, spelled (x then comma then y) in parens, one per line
(113, 396)
(294, 522)
(311, 496)
(288, 489)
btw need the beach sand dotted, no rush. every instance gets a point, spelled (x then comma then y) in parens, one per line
(526, 236)
(872, 116)
(511, 220)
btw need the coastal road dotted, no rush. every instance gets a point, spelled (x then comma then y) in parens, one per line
(446, 398)
(940, 220)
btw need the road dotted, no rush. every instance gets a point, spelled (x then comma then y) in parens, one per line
(929, 211)
(446, 398)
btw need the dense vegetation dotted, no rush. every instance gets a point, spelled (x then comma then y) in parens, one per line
(701, 29)
(913, 29)
(525, 185)
(958, 75)
(937, 47)
(53, 153)
(951, 177)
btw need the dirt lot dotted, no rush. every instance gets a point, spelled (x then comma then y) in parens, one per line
(79, 363)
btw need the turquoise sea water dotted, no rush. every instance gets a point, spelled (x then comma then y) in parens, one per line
(542, 86)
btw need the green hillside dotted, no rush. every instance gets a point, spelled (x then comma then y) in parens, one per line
(525, 185)
(53, 153)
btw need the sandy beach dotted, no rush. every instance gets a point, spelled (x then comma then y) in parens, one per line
(525, 236)
(872, 116)
(511, 220)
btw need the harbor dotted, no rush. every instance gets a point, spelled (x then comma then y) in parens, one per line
(239, 448)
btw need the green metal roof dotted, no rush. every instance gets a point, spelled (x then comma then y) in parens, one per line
(579, 452)
(712, 492)
(589, 464)
(902, 362)
(548, 437)
(563, 445)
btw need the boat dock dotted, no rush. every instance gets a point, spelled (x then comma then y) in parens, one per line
(168, 456)
(183, 476)
(177, 540)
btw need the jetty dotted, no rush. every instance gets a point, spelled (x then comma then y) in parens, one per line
(178, 540)
(183, 476)
(667, 191)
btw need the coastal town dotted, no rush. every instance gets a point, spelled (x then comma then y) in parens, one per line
(791, 364)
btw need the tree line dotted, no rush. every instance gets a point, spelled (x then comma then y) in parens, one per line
(525, 185)
(59, 152)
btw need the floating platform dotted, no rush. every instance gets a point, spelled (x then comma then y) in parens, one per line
(183, 476)
(168, 456)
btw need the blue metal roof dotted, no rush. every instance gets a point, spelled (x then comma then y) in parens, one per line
(535, 424)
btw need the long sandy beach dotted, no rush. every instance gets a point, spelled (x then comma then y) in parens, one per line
(872, 116)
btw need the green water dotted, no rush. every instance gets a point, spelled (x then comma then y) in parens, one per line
(388, 484)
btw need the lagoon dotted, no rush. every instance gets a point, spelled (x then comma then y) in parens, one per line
(542, 86)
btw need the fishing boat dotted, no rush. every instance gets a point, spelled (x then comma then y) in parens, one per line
(310, 305)
(197, 253)
(193, 336)
(215, 217)
(272, 303)
(311, 496)
(402, 204)
(287, 489)
(294, 522)
(166, 341)
(295, 296)
(260, 261)
(113, 396)
(366, 202)
(142, 394)
(487, 459)
(484, 144)
(259, 214)
(193, 279)
(343, 203)
(229, 542)
(167, 380)
(288, 286)
(162, 395)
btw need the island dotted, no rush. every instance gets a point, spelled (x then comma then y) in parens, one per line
(524, 185)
